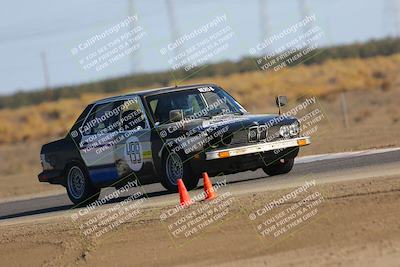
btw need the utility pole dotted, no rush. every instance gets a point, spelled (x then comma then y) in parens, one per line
(304, 12)
(264, 23)
(135, 58)
(47, 88)
(172, 24)
(392, 17)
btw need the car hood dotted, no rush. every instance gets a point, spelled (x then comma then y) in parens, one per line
(234, 123)
(240, 121)
(196, 133)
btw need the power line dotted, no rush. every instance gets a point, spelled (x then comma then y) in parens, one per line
(52, 32)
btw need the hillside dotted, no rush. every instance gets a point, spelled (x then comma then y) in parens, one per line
(255, 90)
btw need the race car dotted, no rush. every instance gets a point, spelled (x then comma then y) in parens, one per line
(165, 134)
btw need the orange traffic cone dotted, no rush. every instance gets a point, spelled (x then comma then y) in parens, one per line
(208, 188)
(183, 194)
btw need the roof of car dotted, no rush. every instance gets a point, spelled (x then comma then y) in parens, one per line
(155, 91)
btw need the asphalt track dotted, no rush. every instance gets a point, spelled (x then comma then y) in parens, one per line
(323, 168)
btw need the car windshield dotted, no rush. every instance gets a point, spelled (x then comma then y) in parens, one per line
(194, 103)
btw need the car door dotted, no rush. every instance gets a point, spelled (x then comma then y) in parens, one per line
(132, 152)
(98, 140)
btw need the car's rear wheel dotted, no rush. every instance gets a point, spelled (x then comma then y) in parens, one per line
(280, 166)
(79, 187)
(174, 168)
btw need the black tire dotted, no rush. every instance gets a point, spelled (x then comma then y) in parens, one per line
(169, 180)
(280, 166)
(79, 187)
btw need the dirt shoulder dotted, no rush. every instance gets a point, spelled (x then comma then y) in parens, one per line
(356, 224)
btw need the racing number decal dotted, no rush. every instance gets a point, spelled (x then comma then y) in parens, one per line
(133, 153)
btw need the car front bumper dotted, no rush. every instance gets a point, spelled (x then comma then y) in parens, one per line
(257, 148)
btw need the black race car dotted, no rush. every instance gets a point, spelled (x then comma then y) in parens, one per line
(165, 134)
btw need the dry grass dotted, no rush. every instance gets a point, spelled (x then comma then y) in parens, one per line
(252, 89)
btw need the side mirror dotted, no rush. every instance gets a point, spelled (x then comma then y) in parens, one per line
(281, 101)
(176, 115)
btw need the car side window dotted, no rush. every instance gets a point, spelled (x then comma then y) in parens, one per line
(101, 119)
(132, 115)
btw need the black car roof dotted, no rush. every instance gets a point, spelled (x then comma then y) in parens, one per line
(156, 91)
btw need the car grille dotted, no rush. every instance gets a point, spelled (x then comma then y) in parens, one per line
(273, 134)
(263, 134)
(240, 137)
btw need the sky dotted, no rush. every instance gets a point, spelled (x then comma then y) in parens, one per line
(33, 32)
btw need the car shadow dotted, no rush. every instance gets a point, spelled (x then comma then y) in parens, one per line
(36, 212)
(64, 202)
(65, 207)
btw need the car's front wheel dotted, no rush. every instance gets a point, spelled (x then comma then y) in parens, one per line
(175, 167)
(79, 187)
(280, 166)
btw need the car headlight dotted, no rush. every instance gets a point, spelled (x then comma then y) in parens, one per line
(294, 129)
(253, 134)
(284, 131)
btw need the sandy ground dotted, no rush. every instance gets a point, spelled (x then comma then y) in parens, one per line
(352, 223)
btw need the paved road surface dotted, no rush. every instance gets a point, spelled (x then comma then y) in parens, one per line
(322, 168)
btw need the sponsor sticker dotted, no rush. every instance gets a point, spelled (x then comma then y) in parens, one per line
(205, 89)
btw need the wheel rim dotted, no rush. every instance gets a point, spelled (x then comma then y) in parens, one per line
(174, 168)
(76, 182)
